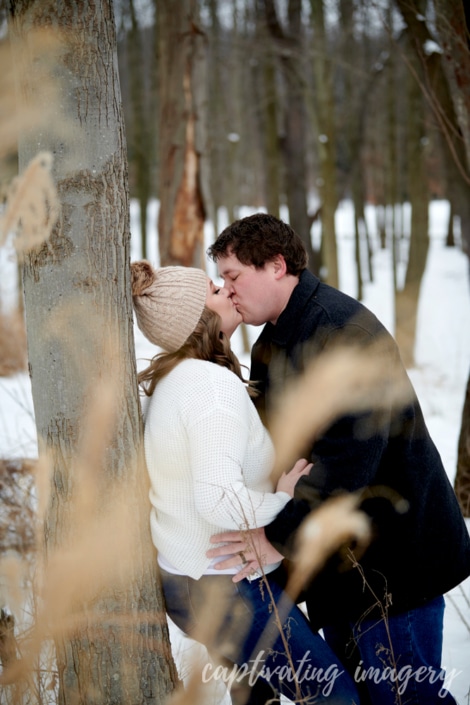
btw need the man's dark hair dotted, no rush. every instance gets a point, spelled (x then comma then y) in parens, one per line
(259, 238)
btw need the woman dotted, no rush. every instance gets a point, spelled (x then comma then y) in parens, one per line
(209, 459)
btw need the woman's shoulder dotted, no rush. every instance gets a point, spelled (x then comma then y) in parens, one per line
(198, 388)
(207, 371)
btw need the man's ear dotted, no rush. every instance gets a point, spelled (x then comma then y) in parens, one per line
(280, 267)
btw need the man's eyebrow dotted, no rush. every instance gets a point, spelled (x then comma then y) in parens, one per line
(227, 271)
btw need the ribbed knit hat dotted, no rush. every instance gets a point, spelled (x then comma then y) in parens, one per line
(168, 302)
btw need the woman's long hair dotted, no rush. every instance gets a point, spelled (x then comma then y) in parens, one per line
(206, 342)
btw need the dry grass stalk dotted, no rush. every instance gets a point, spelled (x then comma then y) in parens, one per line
(92, 561)
(32, 206)
(94, 555)
(213, 613)
(336, 523)
(342, 381)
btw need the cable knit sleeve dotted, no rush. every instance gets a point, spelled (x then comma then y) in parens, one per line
(229, 490)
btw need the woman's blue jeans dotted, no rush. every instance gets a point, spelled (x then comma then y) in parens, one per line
(397, 660)
(297, 662)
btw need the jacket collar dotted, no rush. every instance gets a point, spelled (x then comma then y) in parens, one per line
(286, 325)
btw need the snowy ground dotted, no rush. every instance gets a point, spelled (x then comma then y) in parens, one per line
(440, 375)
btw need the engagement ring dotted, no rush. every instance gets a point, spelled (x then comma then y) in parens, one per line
(242, 556)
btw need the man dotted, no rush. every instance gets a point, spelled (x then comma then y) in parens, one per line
(384, 615)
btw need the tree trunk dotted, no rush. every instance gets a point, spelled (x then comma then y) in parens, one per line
(391, 166)
(462, 477)
(101, 596)
(453, 22)
(352, 141)
(216, 103)
(140, 142)
(235, 117)
(289, 50)
(269, 115)
(184, 181)
(407, 298)
(327, 143)
(436, 89)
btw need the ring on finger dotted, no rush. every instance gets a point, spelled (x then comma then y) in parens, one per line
(243, 557)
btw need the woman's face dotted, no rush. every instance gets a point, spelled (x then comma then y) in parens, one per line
(219, 300)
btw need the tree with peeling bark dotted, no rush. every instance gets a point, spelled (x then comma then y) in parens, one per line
(100, 595)
(183, 188)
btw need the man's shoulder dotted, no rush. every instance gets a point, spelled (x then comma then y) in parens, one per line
(320, 312)
(319, 292)
(326, 304)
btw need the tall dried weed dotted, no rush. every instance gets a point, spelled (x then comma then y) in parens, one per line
(92, 559)
(342, 381)
(32, 206)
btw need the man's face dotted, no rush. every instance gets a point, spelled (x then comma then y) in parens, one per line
(253, 291)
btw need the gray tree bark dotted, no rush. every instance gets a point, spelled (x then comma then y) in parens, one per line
(141, 141)
(268, 111)
(288, 54)
(327, 142)
(435, 86)
(407, 297)
(101, 595)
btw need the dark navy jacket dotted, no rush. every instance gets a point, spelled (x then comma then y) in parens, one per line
(416, 554)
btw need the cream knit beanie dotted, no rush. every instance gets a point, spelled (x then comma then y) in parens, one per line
(168, 302)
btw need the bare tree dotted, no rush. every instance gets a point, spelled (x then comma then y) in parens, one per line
(100, 592)
(141, 141)
(268, 109)
(437, 91)
(184, 183)
(407, 295)
(453, 20)
(327, 141)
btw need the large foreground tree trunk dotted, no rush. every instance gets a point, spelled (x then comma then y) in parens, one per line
(100, 593)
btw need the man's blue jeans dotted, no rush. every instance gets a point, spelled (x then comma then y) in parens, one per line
(248, 635)
(397, 660)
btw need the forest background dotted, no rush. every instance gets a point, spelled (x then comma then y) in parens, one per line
(207, 106)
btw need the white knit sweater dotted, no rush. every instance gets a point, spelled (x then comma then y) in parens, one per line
(209, 458)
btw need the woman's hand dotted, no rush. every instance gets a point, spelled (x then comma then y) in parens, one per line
(288, 480)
